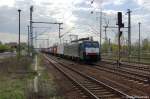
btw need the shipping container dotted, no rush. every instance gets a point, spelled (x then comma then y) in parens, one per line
(60, 49)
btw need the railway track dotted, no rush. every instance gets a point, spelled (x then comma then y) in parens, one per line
(131, 62)
(91, 87)
(125, 75)
(136, 75)
(142, 67)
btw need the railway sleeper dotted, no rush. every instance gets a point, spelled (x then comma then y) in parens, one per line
(131, 77)
(136, 74)
(127, 72)
(108, 96)
(93, 86)
(82, 87)
(136, 70)
(86, 91)
(87, 82)
(90, 84)
(97, 88)
(102, 93)
(84, 96)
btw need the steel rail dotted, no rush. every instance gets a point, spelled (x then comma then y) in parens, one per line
(117, 92)
(123, 70)
(124, 75)
(87, 92)
(144, 68)
(141, 78)
(133, 62)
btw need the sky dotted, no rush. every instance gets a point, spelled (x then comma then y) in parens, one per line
(76, 18)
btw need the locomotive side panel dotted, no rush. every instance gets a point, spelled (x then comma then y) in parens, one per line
(72, 50)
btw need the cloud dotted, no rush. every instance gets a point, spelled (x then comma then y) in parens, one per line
(102, 3)
(140, 2)
(119, 2)
(9, 3)
(73, 13)
(8, 19)
(144, 4)
(59, 10)
(9, 37)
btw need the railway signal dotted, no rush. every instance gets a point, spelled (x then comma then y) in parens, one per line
(120, 25)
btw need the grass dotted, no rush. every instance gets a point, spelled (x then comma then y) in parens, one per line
(13, 76)
(16, 79)
(12, 89)
(47, 85)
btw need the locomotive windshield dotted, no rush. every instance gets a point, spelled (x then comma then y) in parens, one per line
(92, 44)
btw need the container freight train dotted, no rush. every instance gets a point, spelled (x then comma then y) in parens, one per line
(83, 50)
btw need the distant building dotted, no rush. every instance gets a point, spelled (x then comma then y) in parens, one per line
(12, 44)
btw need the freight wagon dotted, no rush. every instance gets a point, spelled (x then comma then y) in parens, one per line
(60, 50)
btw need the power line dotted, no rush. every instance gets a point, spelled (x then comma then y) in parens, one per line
(57, 23)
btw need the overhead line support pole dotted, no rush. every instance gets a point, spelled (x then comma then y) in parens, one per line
(139, 56)
(59, 24)
(100, 29)
(129, 34)
(28, 40)
(59, 34)
(105, 32)
(31, 30)
(19, 33)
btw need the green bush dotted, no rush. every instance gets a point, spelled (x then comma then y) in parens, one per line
(4, 48)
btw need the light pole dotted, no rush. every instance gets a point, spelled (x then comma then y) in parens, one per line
(129, 34)
(139, 42)
(19, 33)
(28, 40)
(60, 31)
(100, 28)
(31, 31)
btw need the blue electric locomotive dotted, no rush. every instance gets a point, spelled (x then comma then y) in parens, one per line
(84, 50)
(89, 51)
